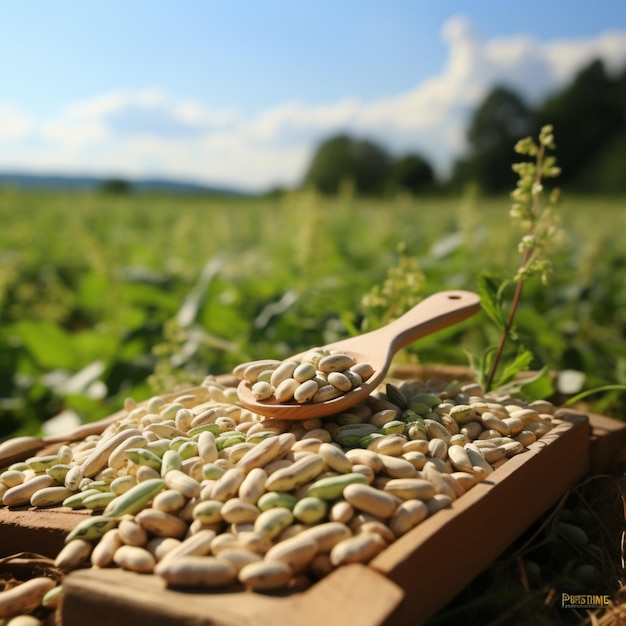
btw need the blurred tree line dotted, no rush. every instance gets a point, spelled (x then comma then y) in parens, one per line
(589, 119)
(368, 167)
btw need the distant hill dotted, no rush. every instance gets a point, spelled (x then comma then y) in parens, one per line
(93, 183)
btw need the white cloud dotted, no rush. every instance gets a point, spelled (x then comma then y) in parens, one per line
(147, 132)
(14, 125)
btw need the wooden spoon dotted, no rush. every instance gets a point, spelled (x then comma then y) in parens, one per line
(376, 348)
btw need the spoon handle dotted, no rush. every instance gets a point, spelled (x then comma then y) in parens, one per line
(432, 314)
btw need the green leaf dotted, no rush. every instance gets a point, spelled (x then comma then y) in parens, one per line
(148, 296)
(477, 366)
(194, 300)
(538, 387)
(50, 346)
(590, 392)
(488, 291)
(92, 346)
(481, 365)
(93, 292)
(520, 363)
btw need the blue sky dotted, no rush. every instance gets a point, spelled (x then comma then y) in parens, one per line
(238, 92)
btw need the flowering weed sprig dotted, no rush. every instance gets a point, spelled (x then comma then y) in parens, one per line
(399, 292)
(535, 213)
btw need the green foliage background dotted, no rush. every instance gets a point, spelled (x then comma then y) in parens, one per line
(106, 296)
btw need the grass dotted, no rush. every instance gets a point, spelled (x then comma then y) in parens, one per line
(160, 290)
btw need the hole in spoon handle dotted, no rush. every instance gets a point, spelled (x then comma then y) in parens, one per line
(431, 315)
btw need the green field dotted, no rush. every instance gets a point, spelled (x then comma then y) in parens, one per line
(102, 297)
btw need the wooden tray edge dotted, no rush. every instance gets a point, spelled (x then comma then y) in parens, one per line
(471, 529)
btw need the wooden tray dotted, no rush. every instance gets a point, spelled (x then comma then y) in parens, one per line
(406, 584)
(39, 531)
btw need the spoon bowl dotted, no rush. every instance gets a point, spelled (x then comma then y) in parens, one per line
(377, 348)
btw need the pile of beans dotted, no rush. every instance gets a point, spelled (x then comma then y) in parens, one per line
(204, 493)
(316, 377)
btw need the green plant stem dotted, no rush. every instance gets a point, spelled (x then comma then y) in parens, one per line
(528, 253)
(505, 332)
